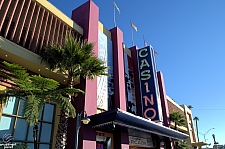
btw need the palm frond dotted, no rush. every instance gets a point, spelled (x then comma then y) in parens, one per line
(52, 55)
(177, 118)
(3, 101)
(21, 146)
(31, 109)
(43, 84)
(64, 91)
(75, 58)
(18, 74)
(65, 104)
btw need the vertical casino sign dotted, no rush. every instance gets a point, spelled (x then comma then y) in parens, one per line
(151, 104)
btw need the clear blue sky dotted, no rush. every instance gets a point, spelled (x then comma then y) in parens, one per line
(189, 37)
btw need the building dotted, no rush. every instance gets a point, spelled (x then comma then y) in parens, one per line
(127, 110)
(189, 128)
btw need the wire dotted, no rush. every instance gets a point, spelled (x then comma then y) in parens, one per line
(208, 109)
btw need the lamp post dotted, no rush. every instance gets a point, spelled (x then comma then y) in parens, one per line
(85, 120)
(204, 134)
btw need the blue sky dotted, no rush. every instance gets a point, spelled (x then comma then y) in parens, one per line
(189, 37)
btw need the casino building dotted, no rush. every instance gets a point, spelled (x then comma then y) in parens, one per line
(128, 109)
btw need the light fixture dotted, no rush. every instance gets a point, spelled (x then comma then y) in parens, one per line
(85, 120)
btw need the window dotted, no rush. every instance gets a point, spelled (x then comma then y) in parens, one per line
(13, 123)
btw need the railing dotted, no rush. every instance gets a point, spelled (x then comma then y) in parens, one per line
(30, 25)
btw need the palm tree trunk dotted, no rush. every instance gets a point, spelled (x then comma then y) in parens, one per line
(35, 135)
(175, 143)
(197, 130)
(61, 135)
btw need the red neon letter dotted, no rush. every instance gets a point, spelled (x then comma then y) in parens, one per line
(151, 101)
(146, 87)
(150, 109)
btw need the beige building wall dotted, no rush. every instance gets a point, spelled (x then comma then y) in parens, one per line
(186, 112)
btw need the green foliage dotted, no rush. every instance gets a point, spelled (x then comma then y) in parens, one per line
(18, 146)
(190, 107)
(196, 118)
(22, 146)
(32, 108)
(75, 59)
(177, 118)
(35, 91)
(182, 145)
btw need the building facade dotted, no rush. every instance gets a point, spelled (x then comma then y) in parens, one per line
(129, 109)
(186, 112)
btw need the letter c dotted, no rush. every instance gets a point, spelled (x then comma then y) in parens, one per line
(140, 53)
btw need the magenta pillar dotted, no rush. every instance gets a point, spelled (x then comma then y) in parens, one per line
(137, 81)
(165, 110)
(85, 16)
(162, 91)
(118, 69)
(121, 140)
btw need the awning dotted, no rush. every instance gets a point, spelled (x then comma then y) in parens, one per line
(199, 144)
(131, 121)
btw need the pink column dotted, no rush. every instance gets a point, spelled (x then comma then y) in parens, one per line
(121, 140)
(162, 91)
(137, 81)
(118, 69)
(165, 110)
(86, 16)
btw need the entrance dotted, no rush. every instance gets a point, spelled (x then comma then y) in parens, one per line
(140, 143)
(104, 140)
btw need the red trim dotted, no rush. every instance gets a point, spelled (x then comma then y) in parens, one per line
(20, 27)
(34, 27)
(4, 15)
(38, 30)
(11, 17)
(17, 20)
(29, 18)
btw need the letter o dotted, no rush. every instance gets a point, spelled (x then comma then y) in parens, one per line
(150, 109)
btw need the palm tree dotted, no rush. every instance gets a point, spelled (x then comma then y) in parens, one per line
(35, 91)
(196, 119)
(190, 107)
(75, 59)
(178, 120)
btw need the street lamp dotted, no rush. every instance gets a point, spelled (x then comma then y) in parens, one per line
(85, 120)
(204, 134)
